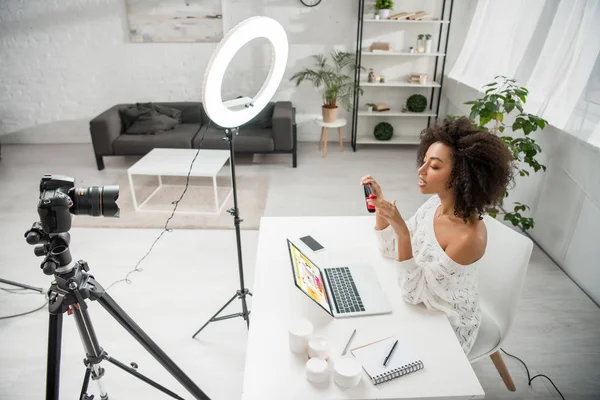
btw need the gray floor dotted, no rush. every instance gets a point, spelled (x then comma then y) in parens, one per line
(191, 273)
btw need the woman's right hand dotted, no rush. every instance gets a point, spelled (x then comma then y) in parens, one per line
(369, 179)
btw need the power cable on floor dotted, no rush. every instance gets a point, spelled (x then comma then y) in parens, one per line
(529, 379)
(22, 291)
(166, 228)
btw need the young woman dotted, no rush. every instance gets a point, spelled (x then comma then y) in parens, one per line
(437, 250)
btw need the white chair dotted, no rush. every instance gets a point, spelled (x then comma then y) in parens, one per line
(501, 275)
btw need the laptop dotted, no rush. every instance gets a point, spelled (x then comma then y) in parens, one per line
(344, 291)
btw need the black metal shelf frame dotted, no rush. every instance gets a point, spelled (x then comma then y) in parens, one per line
(358, 62)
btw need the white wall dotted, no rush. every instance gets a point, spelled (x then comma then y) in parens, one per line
(62, 62)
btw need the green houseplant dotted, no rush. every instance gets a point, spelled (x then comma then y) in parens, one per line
(333, 80)
(383, 8)
(501, 98)
(383, 131)
(416, 103)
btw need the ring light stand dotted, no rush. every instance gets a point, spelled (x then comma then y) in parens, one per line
(234, 113)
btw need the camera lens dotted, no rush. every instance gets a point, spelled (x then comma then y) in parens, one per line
(95, 201)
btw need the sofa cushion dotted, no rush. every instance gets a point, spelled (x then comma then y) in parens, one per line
(249, 140)
(178, 138)
(149, 118)
(151, 124)
(191, 112)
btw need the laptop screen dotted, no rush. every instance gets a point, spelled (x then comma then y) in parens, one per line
(308, 277)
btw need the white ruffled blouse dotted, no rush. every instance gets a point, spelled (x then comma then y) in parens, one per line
(431, 277)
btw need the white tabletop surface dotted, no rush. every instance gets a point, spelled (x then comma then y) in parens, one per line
(176, 162)
(338, 122)
(272, 371)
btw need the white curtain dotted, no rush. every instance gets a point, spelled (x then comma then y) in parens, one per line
(566, 62)
(496, 41)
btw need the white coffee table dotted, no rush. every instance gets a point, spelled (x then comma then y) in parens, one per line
(176, 162)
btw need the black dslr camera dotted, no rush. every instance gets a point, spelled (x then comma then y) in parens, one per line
(59, 198)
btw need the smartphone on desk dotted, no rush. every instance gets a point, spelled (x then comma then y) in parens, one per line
(312, 243)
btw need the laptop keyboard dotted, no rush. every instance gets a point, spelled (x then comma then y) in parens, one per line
(345, 294)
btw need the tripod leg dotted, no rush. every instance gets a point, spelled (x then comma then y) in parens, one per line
(86, 380)
(53, 364)
(138, 334)
(133, 372)
(214, 316)
(97, 373)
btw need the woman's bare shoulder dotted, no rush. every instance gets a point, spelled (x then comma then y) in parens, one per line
(469, 244)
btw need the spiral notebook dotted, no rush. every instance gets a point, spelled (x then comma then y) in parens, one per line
(402, 361)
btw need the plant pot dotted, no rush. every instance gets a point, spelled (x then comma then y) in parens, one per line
(329, 114)
(384, 13)
(420, 45)
(428, 46)
(369, 108)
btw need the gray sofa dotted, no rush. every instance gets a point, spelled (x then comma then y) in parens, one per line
(273, 130)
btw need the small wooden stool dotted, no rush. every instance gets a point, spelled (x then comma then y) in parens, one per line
(325, 132)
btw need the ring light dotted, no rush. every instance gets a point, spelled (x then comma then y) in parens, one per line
(244, 32)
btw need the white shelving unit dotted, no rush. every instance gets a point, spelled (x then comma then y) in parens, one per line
(403, 21)
(393, 53)
(407, 114)
(399, 64)
(402, 84)
(398, 140)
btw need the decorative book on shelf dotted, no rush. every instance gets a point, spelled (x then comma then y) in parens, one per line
(381, 107)
(413, 16)
(372, 356)
(380, 47)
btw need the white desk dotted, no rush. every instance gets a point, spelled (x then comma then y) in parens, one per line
(272, 371)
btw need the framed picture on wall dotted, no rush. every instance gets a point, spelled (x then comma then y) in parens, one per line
(164, 21)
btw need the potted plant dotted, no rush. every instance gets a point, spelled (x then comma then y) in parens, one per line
(334, 80)
(383, 131)
(383, 8)
(420, 43)
(416, 103)
(370, 107)
(501, 98)
(428, 42)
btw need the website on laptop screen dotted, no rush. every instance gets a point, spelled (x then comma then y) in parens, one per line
(308, 277)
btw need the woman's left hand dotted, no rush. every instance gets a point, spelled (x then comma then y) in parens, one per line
(391, 214)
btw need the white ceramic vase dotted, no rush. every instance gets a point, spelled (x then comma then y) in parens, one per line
(428, 43)
(384, 13)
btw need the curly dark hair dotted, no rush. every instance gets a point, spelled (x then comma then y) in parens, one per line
(482, 165)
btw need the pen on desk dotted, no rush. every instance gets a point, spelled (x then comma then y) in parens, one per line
(348, 344)
(389, 355)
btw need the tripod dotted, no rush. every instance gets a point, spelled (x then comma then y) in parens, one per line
(72, 286)
(234, 212)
